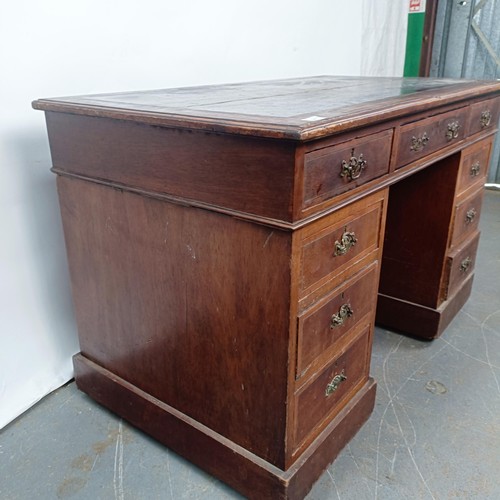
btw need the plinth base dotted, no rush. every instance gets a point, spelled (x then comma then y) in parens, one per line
(240, 469)
(417, 320)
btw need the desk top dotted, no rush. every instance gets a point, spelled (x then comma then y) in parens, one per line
(297, 108)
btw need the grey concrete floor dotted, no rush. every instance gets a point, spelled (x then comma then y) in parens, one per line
(434, 433)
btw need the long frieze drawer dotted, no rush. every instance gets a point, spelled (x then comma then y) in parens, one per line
(474, 165)
(322, 327)
(423, 137)
(325, 395)
(348, 239)
(336, 169)
(484, 115)
(460, 264)
(466, 217)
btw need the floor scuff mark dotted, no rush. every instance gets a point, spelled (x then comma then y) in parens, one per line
(118, 467)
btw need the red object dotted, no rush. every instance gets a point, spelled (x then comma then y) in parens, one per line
(415, 5)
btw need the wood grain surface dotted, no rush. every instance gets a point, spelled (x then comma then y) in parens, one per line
(190, 306)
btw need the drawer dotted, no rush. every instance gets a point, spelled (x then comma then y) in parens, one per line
(460, 264)
(336, 169)
(474, 165)
(326, 394)
(353, 233)
(466, 217)
(423, 137)
(322, 327)
(484, 115)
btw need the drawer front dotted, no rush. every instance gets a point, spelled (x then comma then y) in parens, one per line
(466, 217)
(460, 265)
(484, 115)
(323, 326)
(423, 137)
(336, 169)
(351, 237)
(334, 386)
(474, 165)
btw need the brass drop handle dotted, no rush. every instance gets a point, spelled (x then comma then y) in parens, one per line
(475, 168)
(419, 143)
(465, 264)
(452, 132)
(338, 319)
(352, 168)
(347, 241)
(485, 118)
(470, 215)
(335, 383)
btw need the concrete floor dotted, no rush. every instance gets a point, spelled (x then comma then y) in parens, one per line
(435, 431)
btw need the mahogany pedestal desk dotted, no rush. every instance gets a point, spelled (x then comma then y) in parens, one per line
(226, 245)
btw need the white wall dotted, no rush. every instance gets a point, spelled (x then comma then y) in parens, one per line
(56, 47)
(383, 42)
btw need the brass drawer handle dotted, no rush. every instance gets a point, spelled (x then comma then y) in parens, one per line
(339, 318)
(470, 215)
(419, 143)
(465, 264)
(475, 168)
(347, 241)
(452, 132)
(334, 384)
(485, 118)
(353, 168)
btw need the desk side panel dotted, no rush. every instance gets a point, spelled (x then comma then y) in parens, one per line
(245, 174)
(189, 306)
(416, 237)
